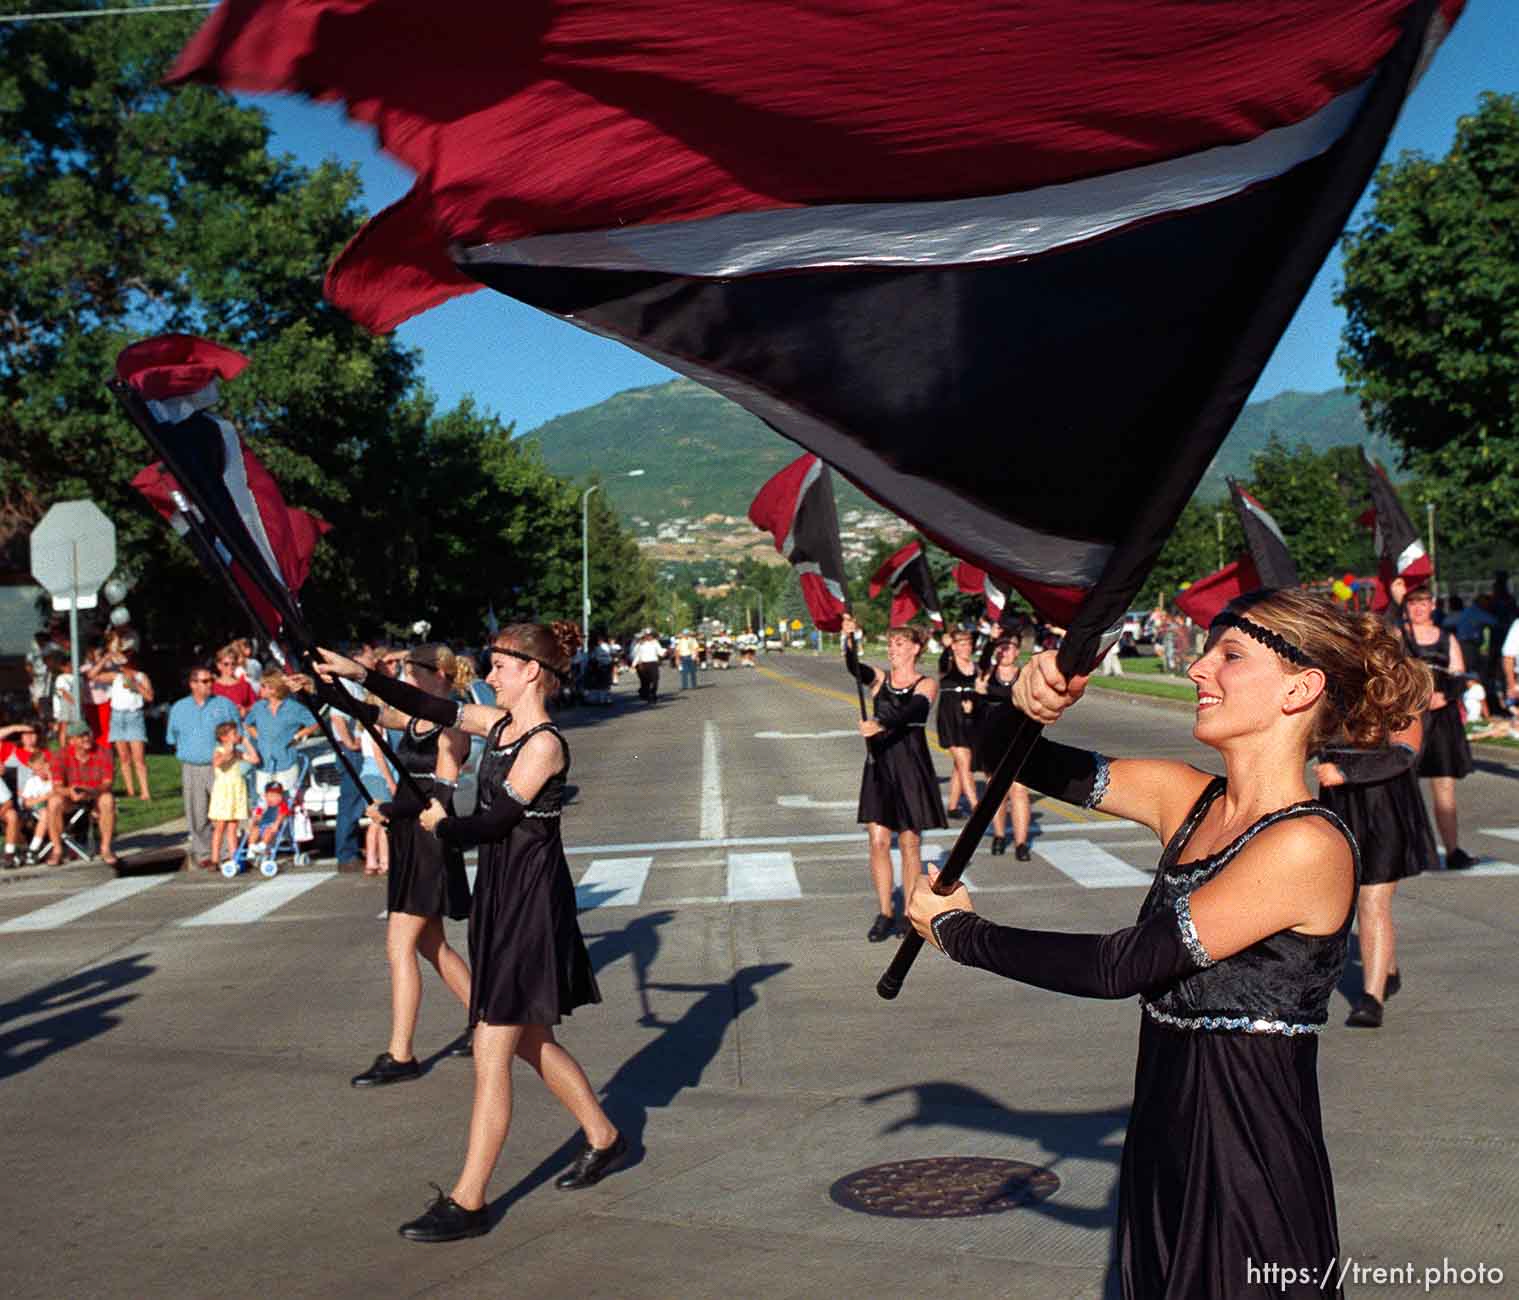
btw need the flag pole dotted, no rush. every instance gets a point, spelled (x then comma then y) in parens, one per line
(198, 520)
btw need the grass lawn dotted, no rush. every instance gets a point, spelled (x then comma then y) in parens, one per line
(167, 802)
(1135, 685)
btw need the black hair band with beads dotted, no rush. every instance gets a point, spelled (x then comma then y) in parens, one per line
(1271, 640)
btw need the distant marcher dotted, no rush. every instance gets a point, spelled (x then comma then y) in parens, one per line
(992, 736)
(278, 724)
(646, 657)
(82, 776)
(193, 721)
(899, 791)
(229, 792)
(686, 651)
(131, 690)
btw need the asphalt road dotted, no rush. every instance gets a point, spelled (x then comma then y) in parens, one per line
(174, 1052)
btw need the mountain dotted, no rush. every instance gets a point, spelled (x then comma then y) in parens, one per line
(701, 454)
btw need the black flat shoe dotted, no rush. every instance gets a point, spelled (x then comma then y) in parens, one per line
(957, 814)
(446, 1220)
(463, 1045)
(999, 845)
(1459, 860)
(1022, 852)
(592, 1165)
(880, 928)
(1366, 1014)
(1394, 983)
(386, 1069)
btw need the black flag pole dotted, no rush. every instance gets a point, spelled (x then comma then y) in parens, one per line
(198, 517)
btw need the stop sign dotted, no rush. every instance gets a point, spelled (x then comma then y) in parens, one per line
(73, 552)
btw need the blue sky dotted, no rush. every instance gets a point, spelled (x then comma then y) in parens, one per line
(528, 367)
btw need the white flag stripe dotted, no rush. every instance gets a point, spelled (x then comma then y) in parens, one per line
(81, 904)
(1090, 866)
(761, 877)
(257, 901)
(612, 882)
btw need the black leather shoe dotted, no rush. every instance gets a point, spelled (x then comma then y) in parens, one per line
(446, 1220)
(999, 845)
(880, 929)
(1022, 852)
(1394, 983)
(1367, 1014)
(592, 1165)
(463, 1045)
(386, 1069)
(1459, 860)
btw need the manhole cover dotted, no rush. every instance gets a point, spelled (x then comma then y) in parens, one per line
(944, 1187)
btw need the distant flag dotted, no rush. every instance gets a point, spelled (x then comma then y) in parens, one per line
(796, 508)
(1204, 599)
(1274, 565)
(228, 500)
(903, 251)
(1400, 551)
(975, 582)
(906, 575)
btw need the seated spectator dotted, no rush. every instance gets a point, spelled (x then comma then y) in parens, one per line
(36, 790)
(18, 742)
(278, 724)
(1473, 701)
(10, 819)
(268, 820)
(82, 777)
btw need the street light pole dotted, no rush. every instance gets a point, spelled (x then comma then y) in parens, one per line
(1218, 518)
(585, 557)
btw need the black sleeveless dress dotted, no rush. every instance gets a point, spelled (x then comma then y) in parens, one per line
(899, 788)
(1390, 825)
(957, 728)
(994, 723)
(426, 875)
(1224, 1161)
(1446, 751)
(528, 962)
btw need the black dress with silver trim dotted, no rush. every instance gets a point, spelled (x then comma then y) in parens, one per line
(899, 788)
(1446, 751)
(1225, 1159)
(957, 726)
(426, 876)
(528, 961)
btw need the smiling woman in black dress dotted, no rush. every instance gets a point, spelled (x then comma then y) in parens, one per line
(1238, 946)
(528, 961)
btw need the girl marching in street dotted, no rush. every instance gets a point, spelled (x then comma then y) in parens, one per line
(1239, 944)
(899, 791)
(995, 687)
(528, 960)
(958, 705)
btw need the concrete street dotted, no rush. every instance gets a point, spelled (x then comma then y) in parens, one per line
(175, 1052)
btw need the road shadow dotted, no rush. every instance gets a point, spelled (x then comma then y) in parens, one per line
(1070, 1135)
(82, 1008)
(656, 1074)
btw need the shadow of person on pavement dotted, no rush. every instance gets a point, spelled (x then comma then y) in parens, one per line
(638, 940)
(1069, 1135)
(81, 1011)
(656, 1074)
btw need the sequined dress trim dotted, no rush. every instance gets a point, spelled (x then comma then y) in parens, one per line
(1240, 1024)
(1189, 938)
(1101, 775)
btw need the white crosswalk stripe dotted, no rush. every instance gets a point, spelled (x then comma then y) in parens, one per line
(1091, 866)
(761, 877)
(258, 901)
(81, 904)
(612, 882)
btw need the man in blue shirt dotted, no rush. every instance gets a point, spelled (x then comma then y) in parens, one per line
(192, 732)
(278, 724)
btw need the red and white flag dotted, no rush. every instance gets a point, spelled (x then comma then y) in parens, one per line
(1011, 268)
(906, 575)
(1400, 550)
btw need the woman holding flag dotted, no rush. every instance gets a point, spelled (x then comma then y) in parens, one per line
(899, 792)
(1238, 946)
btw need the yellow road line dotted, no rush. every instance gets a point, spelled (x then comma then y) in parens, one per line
(1059, 809)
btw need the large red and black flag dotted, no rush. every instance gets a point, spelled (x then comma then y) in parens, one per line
(1266, 563)
(218, 495)
(975, 582)
(905, 573)
(1400, 549)
(1011, 268)
(796, 507)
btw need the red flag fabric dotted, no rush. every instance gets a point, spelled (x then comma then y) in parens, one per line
(1205, 599)
(977, 582)
(1400, 551)
(906, 574)
(842, 217)
(796, 507)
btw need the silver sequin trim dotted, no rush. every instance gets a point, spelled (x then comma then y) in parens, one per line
(1242, 1024)
(941, 919)
(1194, 945)
(1100, 777)
(527, 812)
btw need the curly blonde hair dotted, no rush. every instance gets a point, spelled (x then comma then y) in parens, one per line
(1374, 687)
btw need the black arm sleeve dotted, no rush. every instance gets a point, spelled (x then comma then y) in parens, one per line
(862, 673)
(495, 823)
(1143, 958)
(404, 804)
(343, 702)
(1076, 776)
(1366, 766)
(411, 701)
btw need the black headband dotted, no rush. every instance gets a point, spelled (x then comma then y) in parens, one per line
(528, 659)
(1271, 640)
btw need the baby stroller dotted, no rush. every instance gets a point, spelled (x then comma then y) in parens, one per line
(288, 841)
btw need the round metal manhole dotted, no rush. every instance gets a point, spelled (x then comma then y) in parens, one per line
(944, 1187)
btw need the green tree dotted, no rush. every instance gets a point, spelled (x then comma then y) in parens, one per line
(1431, 342)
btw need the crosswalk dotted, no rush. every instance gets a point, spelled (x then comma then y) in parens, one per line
(755, 872)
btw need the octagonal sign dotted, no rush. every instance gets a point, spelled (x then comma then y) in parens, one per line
(73, 552)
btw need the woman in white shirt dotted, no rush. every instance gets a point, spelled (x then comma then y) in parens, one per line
(131, 691)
